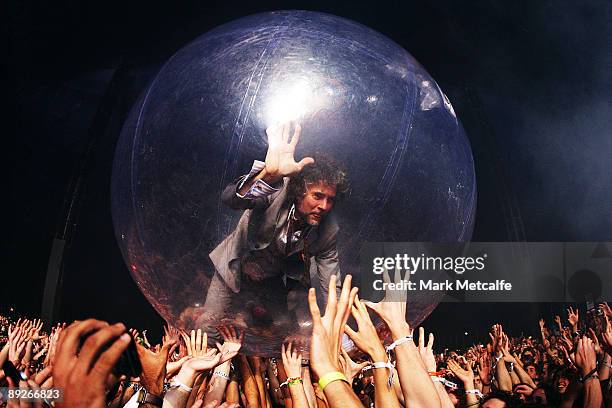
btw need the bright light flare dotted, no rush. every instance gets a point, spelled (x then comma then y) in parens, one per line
(293, 99)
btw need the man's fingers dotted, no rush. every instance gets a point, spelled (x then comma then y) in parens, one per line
(109, 358)
(233, 333)
(315, 313)
(330, 308)
(296, 135)
(386, 278)
(430, 341)
(192, 339)
(306, 161)
(351, 333)
(374, 306)
(421, 338)
(360, 306)
(70, 340)
(198, 339)
(347, 298)
(42, 375)
(95, 345)
(286, 129)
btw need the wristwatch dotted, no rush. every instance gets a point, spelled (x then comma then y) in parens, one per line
(145, 397)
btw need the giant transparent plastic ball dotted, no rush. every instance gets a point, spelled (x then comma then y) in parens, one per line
(359, 97)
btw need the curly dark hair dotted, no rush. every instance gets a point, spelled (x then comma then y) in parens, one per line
(325, 170)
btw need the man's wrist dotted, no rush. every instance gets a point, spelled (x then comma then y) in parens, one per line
(378, 354)
(187, 376)
(586, 370)
(320, 371)
(399, 330)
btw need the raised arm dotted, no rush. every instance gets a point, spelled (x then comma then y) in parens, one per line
(417, 387)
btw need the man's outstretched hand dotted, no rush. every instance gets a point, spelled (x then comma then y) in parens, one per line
(327, 330)
(280, 160)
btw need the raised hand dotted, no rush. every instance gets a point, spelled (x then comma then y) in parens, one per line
(484, 368)
(171, 334)
(17, 343)
(292, 361)
(53, 340)
(232, 342)
(280, 158)
(327, 329)
(586, 359)
(572, 318)
(153, 364)
(464, 374)
(606, 309)
(199, 343)
(505, 349)
(83, 367)
(204, 362)
(350, 368)
(606, 336)
(392, 309)
(595, 340)
(426, 351)
(366, 338)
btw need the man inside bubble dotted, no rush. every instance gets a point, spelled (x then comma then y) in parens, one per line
(286, 234)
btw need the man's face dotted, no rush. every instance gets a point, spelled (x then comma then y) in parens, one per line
(562, 384)
(316, 202)
(494, 403)
(531, 370)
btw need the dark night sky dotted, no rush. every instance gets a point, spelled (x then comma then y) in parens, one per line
(530, 82)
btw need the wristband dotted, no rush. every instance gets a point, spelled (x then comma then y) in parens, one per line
(444, 381)
(294, 381)
(382, 364)
(291, 381)
(177, 384)
(475, 392)
(328, 378)
(222, 375)
(591, 374)
(144, 397)
(398, 342)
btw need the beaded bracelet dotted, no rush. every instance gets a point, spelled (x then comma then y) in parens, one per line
(291, 381)
(294, 381)
(222, 375)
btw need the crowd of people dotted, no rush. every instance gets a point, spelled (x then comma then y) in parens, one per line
(96, 364)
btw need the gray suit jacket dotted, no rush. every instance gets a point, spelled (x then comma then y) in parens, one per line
(257, 228)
